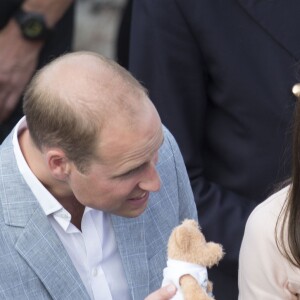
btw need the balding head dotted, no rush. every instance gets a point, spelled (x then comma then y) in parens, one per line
(73, 98)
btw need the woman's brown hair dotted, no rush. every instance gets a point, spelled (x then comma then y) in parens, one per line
(288, 223)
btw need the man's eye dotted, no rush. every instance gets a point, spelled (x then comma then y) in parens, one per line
(134, 171)
(130, 172)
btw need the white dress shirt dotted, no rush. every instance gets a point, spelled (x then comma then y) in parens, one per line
(93, 250)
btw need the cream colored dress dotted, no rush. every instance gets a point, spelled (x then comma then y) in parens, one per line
(264, 273)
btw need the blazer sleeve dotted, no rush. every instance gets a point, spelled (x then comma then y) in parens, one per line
(165, 57)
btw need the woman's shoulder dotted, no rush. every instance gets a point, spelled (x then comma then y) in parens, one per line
(262, 222)
(269, 210)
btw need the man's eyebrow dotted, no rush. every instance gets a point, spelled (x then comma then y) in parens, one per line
(134, 169)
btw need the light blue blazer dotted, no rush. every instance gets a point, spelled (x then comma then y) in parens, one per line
(33, 261)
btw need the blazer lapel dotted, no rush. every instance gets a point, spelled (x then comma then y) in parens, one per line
(280, 19)
(42, 250)
(36, 240)
(130, 237)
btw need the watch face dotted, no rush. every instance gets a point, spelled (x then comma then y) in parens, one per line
(33, 28)
(32, 25)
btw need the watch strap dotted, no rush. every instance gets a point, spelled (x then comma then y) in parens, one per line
(32, 25)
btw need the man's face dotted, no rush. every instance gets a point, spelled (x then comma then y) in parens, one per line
(120, 183)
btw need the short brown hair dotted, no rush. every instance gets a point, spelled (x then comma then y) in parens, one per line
(55, 120)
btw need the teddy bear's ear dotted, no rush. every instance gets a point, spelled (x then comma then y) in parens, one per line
(190, 223)
(184, 232)
(182, 238)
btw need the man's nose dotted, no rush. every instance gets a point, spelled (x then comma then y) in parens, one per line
(150, 181)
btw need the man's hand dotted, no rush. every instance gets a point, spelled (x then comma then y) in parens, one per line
(165, 293)
(18, 60)
(19, 57)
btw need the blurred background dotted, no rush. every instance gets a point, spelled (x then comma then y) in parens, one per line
(96, 26)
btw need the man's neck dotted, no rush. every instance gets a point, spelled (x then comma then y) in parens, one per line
(35, 161)
(75, 208)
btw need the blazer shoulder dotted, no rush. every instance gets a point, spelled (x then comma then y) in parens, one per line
(170, 145)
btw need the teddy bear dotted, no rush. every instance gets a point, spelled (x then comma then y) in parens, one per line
(189, 255)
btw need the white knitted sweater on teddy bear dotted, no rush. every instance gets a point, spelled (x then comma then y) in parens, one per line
(176, 268)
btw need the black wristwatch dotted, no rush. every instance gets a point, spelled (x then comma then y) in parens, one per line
(33, 25)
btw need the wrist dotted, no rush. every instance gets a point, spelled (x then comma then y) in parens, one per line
(51, 10)
(32, 25)
(13, 35)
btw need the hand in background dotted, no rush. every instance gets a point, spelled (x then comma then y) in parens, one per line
(19, 57)
(18, 60)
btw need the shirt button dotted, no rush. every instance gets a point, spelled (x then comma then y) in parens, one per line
(94, 272)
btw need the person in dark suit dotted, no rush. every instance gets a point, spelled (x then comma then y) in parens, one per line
(32, 32)
(221, 75)
(123, 35)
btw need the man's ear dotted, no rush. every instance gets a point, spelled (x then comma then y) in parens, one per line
(58, 163)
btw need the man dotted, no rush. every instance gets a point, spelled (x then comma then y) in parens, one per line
(91, 187)
(32, 32)
(220, 74)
